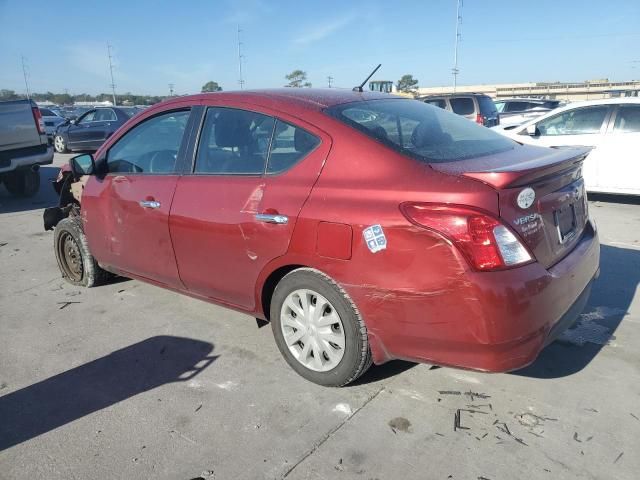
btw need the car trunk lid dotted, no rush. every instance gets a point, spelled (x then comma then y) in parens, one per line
(541, 195)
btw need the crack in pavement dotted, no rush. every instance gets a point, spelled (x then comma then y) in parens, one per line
(330, 433)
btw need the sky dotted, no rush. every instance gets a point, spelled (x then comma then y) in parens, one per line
(187, 43)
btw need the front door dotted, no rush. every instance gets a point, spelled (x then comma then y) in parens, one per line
(79, 133)
(128, 229)
(237, 211)
(584, 126)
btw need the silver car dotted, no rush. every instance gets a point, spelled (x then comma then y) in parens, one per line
(51, 120)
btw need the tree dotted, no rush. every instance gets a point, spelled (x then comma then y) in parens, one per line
(408, 84)
(297, 79)
(8, 95)
(211, 86)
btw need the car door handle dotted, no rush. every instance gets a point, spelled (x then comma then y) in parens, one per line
(149, 204)
(272, 218)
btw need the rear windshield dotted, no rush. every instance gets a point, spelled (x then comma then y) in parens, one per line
(462, 105)
(422, 131)
(486, 105)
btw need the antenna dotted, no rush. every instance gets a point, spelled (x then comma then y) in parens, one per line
(240, 57)
(329, 80)
(26, 82)
(455, 70)
(359, 87)
(113, 85)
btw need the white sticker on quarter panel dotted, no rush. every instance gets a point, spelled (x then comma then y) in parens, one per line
(374, 238)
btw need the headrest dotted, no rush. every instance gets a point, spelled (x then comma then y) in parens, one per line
(428, 132)
(162, 162)
(232, 129)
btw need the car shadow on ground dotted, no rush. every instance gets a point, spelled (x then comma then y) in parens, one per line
(610, 299)
(46, 196)
(70, 395)
(611, 198)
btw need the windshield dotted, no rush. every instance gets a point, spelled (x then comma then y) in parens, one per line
(422, 131)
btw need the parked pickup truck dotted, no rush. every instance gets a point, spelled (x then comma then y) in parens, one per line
(23, 147)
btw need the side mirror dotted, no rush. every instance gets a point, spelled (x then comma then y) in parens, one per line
(82, 165)
(532, 130)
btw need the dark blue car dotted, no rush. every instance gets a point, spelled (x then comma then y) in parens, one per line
(91, 129)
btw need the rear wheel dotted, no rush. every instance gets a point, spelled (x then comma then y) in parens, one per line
(23, 183)
(60, 144)
(75, 261)
(318, 329)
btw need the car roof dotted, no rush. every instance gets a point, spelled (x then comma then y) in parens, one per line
(310, 98)
(526, 99)
(584, 103)
(449, 95)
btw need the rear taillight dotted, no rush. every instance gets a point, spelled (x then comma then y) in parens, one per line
(485, 241)
(37, 117)
(480, 119)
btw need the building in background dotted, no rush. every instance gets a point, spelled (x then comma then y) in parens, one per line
(573, 91)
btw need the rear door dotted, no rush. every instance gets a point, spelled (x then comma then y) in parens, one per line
(618, 165)
(236, 212)
(128, 221)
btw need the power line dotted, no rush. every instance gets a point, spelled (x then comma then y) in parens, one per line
(455, 70)
(240, 57)
(26, 82)
(113, 85)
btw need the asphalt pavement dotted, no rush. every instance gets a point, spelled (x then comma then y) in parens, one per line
(129, 381)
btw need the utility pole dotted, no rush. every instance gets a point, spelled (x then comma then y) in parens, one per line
(455, 70)
(240, 57)
(26, 82)
(171, 85)
(113, 85)
(329, 80)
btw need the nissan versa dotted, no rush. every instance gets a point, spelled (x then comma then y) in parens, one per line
(365, 227)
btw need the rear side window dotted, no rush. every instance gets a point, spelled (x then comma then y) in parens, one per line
(436, 102)
(628, 119)
(422, 131)
(290, 144)
(47, 113)
(462, 105)
(234, 142)
(580, 121)
(487, 107)
(149, 147)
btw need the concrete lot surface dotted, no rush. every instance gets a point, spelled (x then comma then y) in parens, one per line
(129, 381)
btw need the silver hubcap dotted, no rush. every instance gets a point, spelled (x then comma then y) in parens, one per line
(59, 143)
(312, 330)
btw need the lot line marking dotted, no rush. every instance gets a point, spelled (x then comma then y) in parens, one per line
(331, 432)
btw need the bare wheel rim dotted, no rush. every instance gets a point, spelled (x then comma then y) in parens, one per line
(312, 330)
(59, 141)
(70, 256)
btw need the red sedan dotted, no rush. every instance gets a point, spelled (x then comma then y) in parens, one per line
(365, 227)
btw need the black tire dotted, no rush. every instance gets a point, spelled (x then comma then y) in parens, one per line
(23, 183)
(59, 144)
(77, 265)
(356, 358)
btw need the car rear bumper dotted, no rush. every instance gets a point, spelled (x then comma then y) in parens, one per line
(44, 158)
(490, 321)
